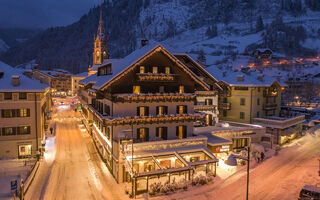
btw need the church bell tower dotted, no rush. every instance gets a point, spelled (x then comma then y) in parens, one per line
(100, 51)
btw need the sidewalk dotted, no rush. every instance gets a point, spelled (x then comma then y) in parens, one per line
(13, 169)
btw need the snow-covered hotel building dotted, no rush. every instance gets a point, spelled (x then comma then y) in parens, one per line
(147, 97)
(24, 104)
(251, 97)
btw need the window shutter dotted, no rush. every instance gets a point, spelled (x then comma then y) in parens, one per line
(177, 109)
(13, 112)
(2, 113)
(138, 111)
(185, 109)
(166, 110)
(157, 132)
(138, 133)
(157, 110)
(147, 134)
(177, 131)
(165, 133)
(147, 111)
(3, 131)
(29, 130)
(184, 132)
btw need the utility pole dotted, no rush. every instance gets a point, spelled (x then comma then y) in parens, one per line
(248, 166)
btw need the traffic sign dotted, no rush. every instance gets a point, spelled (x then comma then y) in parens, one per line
(14, 184)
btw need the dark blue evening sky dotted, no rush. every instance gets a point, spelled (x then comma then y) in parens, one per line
(42, 13)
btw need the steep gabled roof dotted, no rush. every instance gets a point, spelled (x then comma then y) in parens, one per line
(123, 66)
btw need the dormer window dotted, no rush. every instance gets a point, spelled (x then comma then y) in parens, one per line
(109, 70)
(155, 70)
(167, 70)
(142, 70)
(181, 89)
(136, 89)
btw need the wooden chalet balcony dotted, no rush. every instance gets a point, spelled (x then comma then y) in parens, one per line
(225, 93)
(270, 106)
(153, 119)
(154, 97)
(205, 93)
(158, 77)
(204, 107)
(224, 106)
(278, 122)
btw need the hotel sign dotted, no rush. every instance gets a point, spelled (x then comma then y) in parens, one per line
(223, 148)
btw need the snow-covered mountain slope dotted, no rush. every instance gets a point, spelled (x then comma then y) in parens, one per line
(3, 46)
(225, 30)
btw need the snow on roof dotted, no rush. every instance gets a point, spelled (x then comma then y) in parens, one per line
(83, 74)
(26, 84)
(250, 79)
(120, 65)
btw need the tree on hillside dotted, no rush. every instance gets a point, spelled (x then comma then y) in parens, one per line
(259, 24)
(201, 57)
(212, 31)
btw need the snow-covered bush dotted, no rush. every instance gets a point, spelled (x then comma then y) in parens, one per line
(210, 177)
(155, 188)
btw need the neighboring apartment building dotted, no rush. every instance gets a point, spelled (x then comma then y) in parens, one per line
(148, 98)
(75, 82)
(24, 104)
(251, 97)
(59, 80)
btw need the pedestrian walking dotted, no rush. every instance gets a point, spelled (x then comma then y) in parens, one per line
(51, 130)
(262, 156)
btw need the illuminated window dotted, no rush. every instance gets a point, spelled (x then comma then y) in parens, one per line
(23, 113)
(181, 89)
(143, 134)
(167, 70)
(142, 70)
(155, 70)
(9, 131)
(208, 102)
(23, 130)
(162, 110)
(136, 89)
(182, 109)
(161, 132)
(142, 111)
(24, 150)
(181, 132)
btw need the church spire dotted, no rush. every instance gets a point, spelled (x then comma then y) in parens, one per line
(100, 52)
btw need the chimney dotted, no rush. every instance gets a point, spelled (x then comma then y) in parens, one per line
(260, 77)
(224, 74)
(240, 78)
(15, 80)
(144, 42)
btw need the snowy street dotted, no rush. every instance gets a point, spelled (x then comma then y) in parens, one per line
(71, 167)
(280, 177)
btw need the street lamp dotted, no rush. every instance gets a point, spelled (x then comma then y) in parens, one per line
(319, 165)
(232, 161)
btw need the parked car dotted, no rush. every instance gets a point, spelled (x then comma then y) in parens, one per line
(309, 192)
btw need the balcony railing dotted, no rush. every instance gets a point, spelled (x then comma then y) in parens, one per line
(154, 97)
(153, 119)
(278, 122)
(270, 106)
(204, 107)
(224, 106)
(205, 93)
(156, 77)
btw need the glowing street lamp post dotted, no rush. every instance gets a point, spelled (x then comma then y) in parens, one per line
(233, 162)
